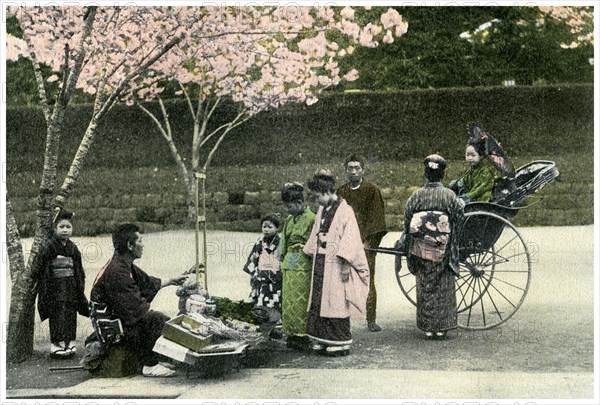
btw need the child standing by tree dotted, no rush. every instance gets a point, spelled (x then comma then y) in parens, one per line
(265, 271)
(296, 266)
(61, 282)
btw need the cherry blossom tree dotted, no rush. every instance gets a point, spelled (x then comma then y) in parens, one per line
(273, 56)
(580, 21)
(102, 51)
(260, 57)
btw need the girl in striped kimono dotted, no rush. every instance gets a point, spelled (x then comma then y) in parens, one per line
(432, 218)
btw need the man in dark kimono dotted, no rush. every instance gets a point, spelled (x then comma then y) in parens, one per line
(366, 201)
(128, 291)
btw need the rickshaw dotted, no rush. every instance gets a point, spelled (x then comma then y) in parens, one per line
(495, 260)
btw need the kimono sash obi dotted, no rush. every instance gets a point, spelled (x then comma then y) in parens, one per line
(268, 261)
(62, 267)
(430, 233)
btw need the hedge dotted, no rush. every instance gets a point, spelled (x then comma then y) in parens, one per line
(548, 120)
(130, 173)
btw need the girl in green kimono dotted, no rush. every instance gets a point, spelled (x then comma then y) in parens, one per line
(477, 182)
(296, 266)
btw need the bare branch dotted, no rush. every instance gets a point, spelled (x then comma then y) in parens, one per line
(156, 121)
(116, 94)
(65, 73)
(166, 118)
(39, 78)
(187, 97)
(168, 136)
(230, 127)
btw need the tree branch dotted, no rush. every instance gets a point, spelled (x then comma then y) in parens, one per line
(116, 94)
(216, 146)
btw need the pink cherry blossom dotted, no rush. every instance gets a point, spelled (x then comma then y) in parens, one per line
(391, 18)
(351, 75)
(347, 13)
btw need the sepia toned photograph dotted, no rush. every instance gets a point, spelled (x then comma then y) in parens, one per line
(299, 202)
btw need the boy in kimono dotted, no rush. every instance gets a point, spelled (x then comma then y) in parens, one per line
(264, 267)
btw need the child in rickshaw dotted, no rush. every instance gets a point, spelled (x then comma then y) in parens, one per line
(477, 182)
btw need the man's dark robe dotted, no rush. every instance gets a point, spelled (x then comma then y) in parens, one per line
(128, 291)
(368, 206)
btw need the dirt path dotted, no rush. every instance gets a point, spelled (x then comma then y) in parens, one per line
(552, 332)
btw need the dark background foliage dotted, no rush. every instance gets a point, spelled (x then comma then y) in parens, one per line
(130, 174)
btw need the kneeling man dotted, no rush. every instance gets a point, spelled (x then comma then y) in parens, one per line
(128, 291)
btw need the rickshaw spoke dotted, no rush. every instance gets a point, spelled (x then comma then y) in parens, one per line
(510, 271)
(465, 279)
(405, 275)
(465, 294)
(481, 257)
(472, 258)
(411, 288)
(506, 244)
(462, 299)
(487, 291)
(493, 262)
(505, 259)
(503, 296)
(481, 300)
(470, 308)
(507, 283)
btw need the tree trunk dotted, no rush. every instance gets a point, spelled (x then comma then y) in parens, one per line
(191, 201)
(24, 287)
(21, 318)
(14, 246)
(77, 164)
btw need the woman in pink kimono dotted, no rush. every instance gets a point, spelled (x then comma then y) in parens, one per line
(340, 274)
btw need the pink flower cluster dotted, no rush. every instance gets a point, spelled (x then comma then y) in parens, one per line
(262, 57)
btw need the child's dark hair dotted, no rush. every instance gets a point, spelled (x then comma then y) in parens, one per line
(292, 192)
(479, 147)
(322, 182)
(60, 214)
(123, 235)
(435, 167)
(355, 158)
(274, 218)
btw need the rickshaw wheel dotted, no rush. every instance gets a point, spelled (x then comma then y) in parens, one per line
(495, 271)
